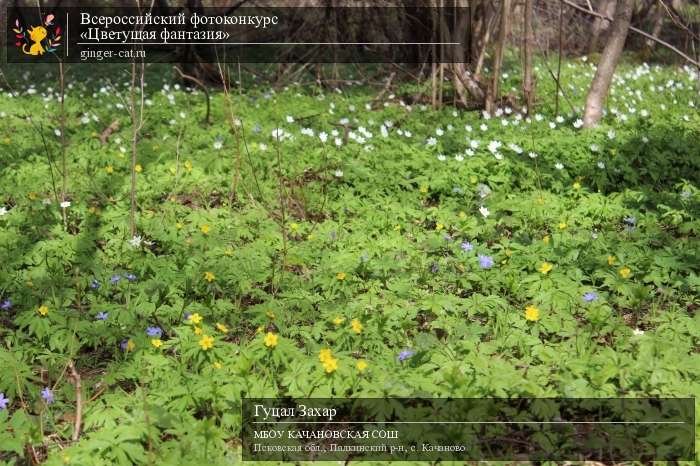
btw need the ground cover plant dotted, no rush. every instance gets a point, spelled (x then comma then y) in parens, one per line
(333, 242)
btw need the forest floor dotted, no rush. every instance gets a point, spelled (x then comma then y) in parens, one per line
(335, 244)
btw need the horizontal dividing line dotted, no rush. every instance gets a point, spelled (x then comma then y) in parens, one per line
(268, 43)
(469, 422)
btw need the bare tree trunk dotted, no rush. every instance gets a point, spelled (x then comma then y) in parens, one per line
(498, 59)
(608, 62)
(659, 14)
(528, 40)
(600, 25)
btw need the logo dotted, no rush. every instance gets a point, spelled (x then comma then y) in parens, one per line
(38, 40)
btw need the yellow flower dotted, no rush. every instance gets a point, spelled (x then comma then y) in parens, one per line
(66, 459)
(462, 215)
(562, 225)
(540, 200)
(138, 168)
(179, 225)
(473, 179)
(311, 237)
(356, 326)
(424, 189)
(260, 329)
(325, 354)
(397, 227)
(198, 330)
(173, 170)
(229, 251)
(532, 313)
(195, 318)
(217, 365)
(221, 328)
(43, 310)
(361, 365)
(545, 267)
(508, 253)
(625, 272)
(338, 320)
(271, 340)
(209, 276)
(156, 342)
(206, 342)
(205, 229)
(32, 196)
(611, 260)
(330, 365)
(340, 276)
(188, 166)
(130, 345)
(439, 227)
(270, 314)
(293, 227)
(545, 240)
(577, 185)
(109, 169)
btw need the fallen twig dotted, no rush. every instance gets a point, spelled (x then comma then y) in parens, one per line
(78, 400)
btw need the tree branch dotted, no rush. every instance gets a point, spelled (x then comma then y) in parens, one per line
(638, 31)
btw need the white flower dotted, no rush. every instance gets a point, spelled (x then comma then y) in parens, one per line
(65, 204)
(290, 119)
(601, 165)
(594, 148)
(644, 113)
(484, 211)
(338, 173)
(539, 117)
(560, 119)
(474, 144)
(483, 127)
(431, 141)
(218, 144)
(638, 332)
(494, 146)
(441, 157)
(515, 148)
(135, 241)
(338, 142)
(439, 132)
(459, 157)
(57, 132)
(532, 155)
(611, 134)
(578, 123)
(384, 132)
(3, 211)
(645, 139)
(558, 165)
(323, 136)
(552, 125)
(468, 128)
(469, 152)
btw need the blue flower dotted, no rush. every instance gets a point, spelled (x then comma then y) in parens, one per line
(94, 284)
(130, 276)
(6, 305)
(102, 316)
(590, 296)
(405, 354)
(630, 220)
(467, 246)
(154, 332)
(115, 279)
(447, 237)
(3, 401)
(186, 316)
(47, 395)
(485, 262)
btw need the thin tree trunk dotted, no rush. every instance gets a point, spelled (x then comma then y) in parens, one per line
(608, 62)
(600, 26)
(498, 59)
(658, 23)
(528, 40)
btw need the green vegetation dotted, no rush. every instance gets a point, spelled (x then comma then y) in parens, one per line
(371, 248)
